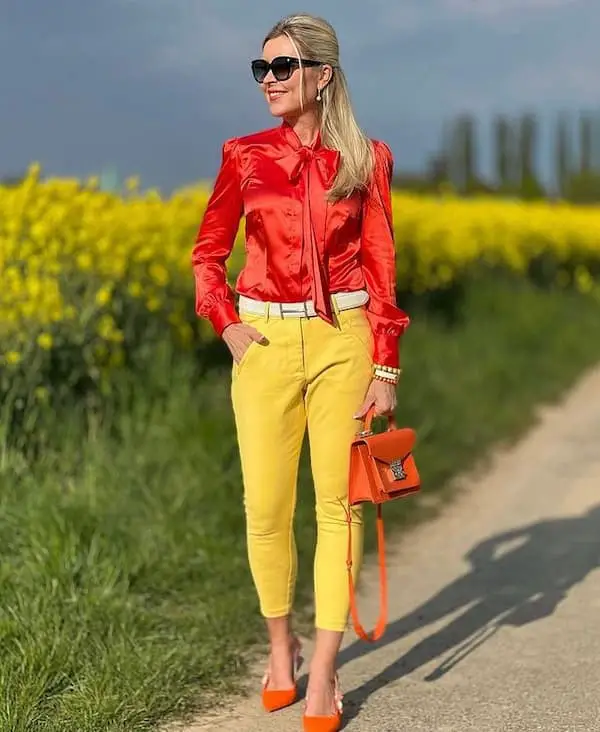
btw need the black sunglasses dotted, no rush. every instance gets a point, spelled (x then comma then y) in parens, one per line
(282, 67)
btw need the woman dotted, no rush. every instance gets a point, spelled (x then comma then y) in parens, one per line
(315, 337)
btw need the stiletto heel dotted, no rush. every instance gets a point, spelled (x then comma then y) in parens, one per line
(274, 699)
(330, 722)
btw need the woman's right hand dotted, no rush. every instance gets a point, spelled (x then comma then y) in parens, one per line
(239, 336)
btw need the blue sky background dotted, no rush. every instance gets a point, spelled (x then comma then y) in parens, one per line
(154, 86)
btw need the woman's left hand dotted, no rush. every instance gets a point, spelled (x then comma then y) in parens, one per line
(381, 395)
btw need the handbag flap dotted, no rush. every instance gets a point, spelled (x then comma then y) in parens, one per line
(392, 445)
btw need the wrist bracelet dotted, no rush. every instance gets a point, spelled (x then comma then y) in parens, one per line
(389, 369)
(391, 374)
(385, 381)
(385, 376)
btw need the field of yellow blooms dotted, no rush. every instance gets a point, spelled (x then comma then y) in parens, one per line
(90, 277)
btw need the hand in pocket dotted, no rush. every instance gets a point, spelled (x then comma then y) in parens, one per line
(239, 336)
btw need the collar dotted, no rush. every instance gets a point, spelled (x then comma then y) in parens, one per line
(291, 137)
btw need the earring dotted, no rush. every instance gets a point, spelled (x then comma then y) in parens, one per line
(318, 95)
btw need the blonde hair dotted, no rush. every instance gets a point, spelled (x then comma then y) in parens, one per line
(315, 39)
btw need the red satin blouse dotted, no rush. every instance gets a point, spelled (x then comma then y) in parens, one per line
(299, 246)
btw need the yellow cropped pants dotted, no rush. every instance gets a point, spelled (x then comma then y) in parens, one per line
(309, 375)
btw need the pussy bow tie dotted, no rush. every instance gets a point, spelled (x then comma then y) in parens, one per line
(324, 162)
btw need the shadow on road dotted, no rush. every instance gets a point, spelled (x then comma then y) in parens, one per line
(515, 578)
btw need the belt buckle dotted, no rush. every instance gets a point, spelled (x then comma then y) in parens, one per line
(284, 310)
(292, 309)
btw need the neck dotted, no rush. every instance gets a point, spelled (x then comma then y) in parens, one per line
(306, 126)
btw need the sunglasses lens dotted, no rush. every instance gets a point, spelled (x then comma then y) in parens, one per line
(282, 68)
(260, 69)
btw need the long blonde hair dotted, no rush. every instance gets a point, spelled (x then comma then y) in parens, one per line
(315, 39)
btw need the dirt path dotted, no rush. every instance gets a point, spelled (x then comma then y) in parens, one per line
(494, 605)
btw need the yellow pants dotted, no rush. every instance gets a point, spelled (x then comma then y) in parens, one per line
(313, 375)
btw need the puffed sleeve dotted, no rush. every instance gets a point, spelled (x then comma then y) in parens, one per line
(214, 242)
(378, 259)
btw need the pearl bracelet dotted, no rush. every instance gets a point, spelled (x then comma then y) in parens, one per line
(386, 381)
(385, 374)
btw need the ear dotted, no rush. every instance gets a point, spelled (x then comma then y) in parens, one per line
(326, 74)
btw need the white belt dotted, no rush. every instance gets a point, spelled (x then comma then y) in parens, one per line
(342, 301)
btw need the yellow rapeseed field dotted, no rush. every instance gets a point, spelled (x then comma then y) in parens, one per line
(91, 275)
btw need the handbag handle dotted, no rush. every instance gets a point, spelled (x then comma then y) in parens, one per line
(371, 415)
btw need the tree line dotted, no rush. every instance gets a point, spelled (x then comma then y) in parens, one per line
(572, 157)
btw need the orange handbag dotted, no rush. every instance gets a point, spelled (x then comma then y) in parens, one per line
(382, 468)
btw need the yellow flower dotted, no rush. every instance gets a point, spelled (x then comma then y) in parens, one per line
(12, 358)
(84, 261)
(132, 183)
(159, 273)
(135, 289)
(153, 304)
(44, 340)
(34, 170)
(103, 296)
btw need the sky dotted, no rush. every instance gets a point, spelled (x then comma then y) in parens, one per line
(153, 87)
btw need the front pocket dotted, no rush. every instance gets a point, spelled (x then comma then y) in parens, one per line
(258, 322)
(355, 326)
(245, 355)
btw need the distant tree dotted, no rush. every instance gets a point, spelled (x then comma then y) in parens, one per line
(468, 142)
(585, 143)
(530, 186)
(462, 156)
(504, 154)
(595, 144)
(438, 169)
(563, 153)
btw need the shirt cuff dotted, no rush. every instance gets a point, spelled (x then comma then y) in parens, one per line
(386, 351)
(222, 315)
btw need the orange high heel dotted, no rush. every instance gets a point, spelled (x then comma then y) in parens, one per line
(330, 722)
(274, 699)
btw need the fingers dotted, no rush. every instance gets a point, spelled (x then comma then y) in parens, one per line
(257, 336)
(383, 407)
(244, 340)
(364, 408)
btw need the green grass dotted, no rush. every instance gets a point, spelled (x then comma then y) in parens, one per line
(126, 598)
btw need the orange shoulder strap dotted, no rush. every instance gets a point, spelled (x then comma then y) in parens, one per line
(383, 604)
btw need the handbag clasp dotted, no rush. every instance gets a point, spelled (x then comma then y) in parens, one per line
(397, 468)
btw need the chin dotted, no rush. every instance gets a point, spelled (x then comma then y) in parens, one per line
(278, 110)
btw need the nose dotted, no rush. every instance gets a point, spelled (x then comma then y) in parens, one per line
(266, 80)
